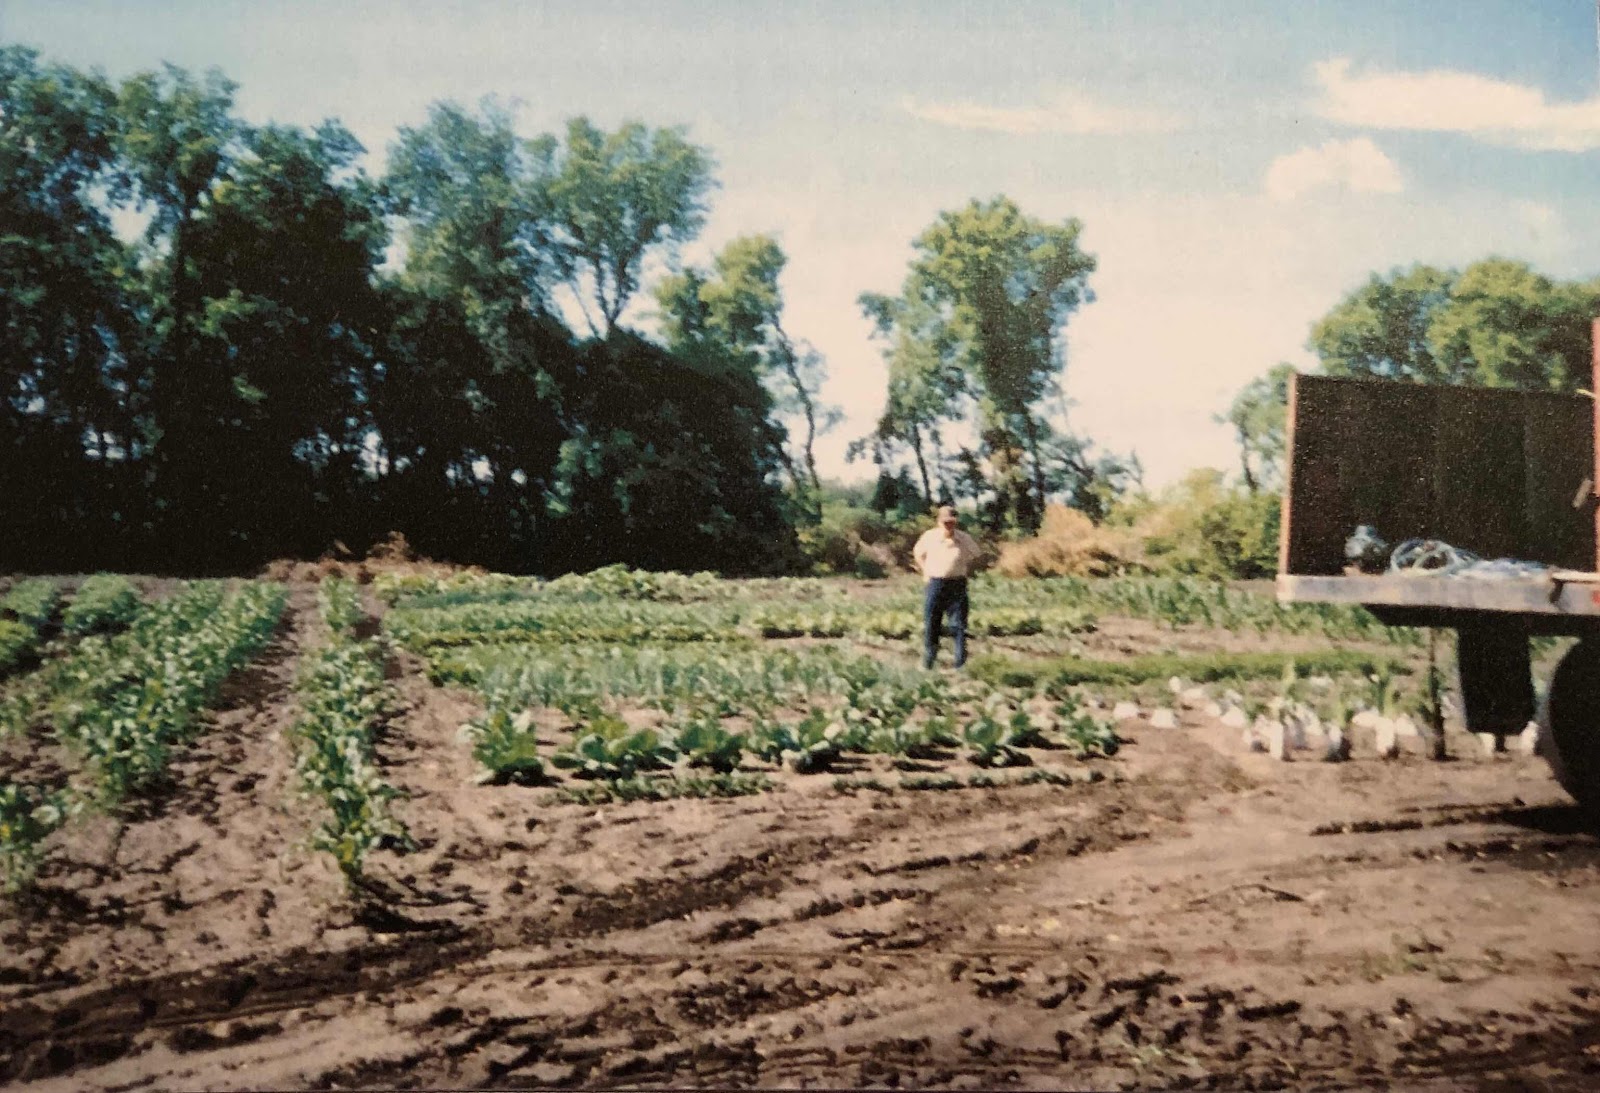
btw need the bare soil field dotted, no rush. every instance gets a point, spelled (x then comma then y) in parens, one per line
(1185, 915)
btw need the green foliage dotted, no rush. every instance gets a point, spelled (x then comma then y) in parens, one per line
(991, 742)
(736, 309)
(1260, 419)
(505, 746)
(1088, 735)
(805, 746)
(17, 640)
(1496, 323)
(613, 198)
(703, 742)
(1204, 528)
(343, 698)
(340, 603)
(607, 747)
(28, 815)
(31, 603)
(124, 702)
(980, 314)
(105, 601)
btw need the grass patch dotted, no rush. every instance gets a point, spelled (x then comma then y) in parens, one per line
(1201, 668)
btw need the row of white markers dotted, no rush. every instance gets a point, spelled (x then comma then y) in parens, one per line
(1294, 726)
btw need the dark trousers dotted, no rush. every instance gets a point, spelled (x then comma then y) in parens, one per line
(945, 596)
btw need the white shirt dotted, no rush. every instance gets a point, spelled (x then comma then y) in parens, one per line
(938, 555)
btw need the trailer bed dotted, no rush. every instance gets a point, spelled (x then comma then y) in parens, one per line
(1538, 605)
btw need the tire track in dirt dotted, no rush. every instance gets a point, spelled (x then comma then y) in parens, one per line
(923, 939)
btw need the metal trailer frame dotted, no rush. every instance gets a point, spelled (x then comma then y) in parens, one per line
(1502, 473)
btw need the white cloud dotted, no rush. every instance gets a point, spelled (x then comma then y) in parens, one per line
(1442, 100)
(1356, 165)
(1068, 113)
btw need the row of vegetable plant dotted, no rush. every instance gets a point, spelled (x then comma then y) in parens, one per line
(121, 703)
(24, 611)
(343, 700)
(1172, 601)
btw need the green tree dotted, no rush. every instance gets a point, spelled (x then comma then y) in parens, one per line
(980, 317)
(69, 356)
(1495, 324)
(1506, 326)
(1381, 329)
(290, 355)
(926, 389)
(1259, 416)
(468, 191)
(738, 306)
(613, 199)
(178, 139)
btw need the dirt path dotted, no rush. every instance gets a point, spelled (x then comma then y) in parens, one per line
(1210, 919)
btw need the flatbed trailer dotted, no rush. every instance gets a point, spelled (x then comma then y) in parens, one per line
(1504, 474)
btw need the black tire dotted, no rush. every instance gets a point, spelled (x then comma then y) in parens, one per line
(1570, 723)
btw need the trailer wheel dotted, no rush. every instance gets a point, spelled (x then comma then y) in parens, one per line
(1570, 725)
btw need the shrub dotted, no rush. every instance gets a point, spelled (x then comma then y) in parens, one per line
(1069, 544)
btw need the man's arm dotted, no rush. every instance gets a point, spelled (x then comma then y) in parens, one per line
(919, 553)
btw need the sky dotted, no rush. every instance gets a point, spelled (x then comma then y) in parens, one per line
(1237, 165)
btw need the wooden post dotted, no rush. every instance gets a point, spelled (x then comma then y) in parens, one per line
(1288, 469)
(1594, 397)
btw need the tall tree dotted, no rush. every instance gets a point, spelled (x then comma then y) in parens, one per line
(990, 291)
(178, 140)
(738, 306)
(1505, 325)
(926, 385)
(1259, 416)
(614, 199)
(291, 354)
(468, 191)
(1496, 323)
(66, 436)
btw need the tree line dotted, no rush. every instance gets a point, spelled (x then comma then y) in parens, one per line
(1495, 323)
(228, 342)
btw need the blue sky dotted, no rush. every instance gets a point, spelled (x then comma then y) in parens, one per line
(1238, 164)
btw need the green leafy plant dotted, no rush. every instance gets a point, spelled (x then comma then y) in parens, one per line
(991, 743)
(28, 815)
(607, 747)
(703, 742)
(808, 745)
(104, 602)
(1078, 729)
(505, 746)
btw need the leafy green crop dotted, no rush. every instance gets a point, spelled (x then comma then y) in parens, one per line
(28, 815)
(1076, 728)
(31, 602)
(505, 746)
(607, 747)
(343, 698)
(339, 600)
(703, 742)
(16, 641)
(808, 745)
(991, 743)
(105, 601)
(123, 702)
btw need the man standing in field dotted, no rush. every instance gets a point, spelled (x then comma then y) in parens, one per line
(945, 555)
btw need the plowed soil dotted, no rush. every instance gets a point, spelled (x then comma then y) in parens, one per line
(1201, 917)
